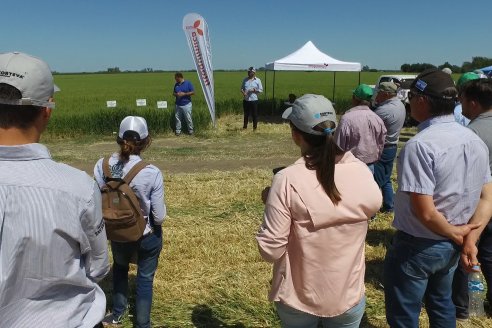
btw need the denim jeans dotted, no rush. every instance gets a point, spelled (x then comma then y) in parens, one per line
(148, 249)
(292, 318)
(382, 174)
(416, 269)
(185, 113)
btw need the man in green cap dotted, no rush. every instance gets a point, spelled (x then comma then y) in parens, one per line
(466, 77)
(361, 131)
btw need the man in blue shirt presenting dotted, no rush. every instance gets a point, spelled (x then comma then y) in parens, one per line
(183, 90)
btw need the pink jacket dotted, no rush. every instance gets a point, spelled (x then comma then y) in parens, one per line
(317, 249)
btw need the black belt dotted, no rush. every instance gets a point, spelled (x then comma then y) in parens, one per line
(391, 146)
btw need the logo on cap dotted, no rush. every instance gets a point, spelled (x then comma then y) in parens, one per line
(10, 74)
(421, 85)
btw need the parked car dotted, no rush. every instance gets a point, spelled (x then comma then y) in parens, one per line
(403, 82)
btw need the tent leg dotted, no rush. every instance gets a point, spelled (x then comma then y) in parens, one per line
(265, 87)
(334, 79)
(273, 92)
(359, 77)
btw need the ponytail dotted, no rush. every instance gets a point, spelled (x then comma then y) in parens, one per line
(132, 147)
(321, 157)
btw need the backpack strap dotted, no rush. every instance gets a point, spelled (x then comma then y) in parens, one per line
(106, 169)
(134, 171)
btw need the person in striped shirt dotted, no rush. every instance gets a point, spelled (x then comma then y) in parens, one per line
(53, 247)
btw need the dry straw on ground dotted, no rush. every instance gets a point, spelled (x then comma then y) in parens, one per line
(210, 273)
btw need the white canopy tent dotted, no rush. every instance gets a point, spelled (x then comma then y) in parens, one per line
(310, 58)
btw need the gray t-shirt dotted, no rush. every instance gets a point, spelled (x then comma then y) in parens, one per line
(482, 126)
(392, 112)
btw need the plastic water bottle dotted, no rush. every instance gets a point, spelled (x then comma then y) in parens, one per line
(476, 292)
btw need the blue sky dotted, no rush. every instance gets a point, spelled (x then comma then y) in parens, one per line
(92, 35)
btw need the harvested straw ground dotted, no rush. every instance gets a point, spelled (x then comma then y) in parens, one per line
(210, 273)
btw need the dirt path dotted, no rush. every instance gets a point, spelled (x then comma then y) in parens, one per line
(189, 154)
(170, 167)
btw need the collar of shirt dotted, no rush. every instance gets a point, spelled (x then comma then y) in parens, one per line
(435, 120)
(27, 152)
(346, 157)
(387, 101)
(485, 114)
(362, 107)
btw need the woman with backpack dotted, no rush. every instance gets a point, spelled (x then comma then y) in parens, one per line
(315, 223)
(148, 186)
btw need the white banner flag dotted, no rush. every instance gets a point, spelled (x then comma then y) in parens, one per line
(196, 31)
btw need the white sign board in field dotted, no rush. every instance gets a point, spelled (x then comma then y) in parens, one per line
(111, 103)
(162, 104)
(141, 102)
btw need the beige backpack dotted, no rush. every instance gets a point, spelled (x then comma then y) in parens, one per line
(120, 206)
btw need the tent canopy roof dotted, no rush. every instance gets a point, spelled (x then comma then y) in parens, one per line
(310, 58)
(487, 69)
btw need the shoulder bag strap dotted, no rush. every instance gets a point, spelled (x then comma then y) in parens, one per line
(106, 169)
(134, 171)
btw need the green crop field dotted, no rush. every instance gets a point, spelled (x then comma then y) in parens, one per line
(81, 105)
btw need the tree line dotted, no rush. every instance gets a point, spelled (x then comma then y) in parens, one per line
(476, 63)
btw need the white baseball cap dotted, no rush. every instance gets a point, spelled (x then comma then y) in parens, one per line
(310, 110)
(31, 76)
(136, 124)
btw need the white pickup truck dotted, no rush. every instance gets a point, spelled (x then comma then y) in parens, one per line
(402, 81)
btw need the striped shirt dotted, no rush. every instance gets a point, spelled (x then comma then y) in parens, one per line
(53, 246)
(361, 132)
(448, 162)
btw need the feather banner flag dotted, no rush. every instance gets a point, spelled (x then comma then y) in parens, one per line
(196, 31)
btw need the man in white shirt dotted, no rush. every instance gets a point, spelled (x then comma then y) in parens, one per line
(53, 247)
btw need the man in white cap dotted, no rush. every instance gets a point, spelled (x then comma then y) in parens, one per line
(250, 89)
(53, 246)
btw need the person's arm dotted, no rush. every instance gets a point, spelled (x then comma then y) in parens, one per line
(342, 135)
(260, 87)
(99, 173)
(157, 202)
(424, 209)
(191, 90)
(96, 256)
(274, 232)
(381, 139)
(482, 216)
(243, 88)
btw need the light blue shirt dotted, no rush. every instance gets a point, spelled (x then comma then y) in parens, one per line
(148, 186)
(248, 86)
(445, 160)
(459, 117)
(53, 246)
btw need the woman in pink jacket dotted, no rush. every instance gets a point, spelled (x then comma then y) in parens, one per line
(315, 224)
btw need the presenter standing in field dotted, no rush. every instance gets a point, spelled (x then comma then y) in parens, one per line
(183, 90)
(315, 224)
(250, 89)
